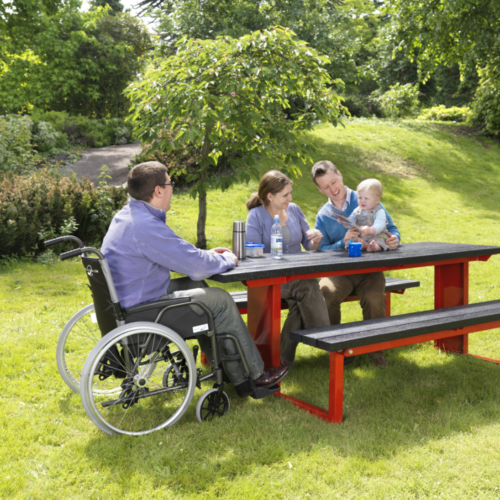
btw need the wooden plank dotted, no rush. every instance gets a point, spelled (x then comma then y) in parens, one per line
(391, 285)
(373, 331)
(337, 260)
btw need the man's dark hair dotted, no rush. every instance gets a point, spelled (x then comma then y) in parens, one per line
(143, 179)
(321, 168)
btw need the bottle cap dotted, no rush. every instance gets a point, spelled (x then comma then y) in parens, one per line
(276, 218)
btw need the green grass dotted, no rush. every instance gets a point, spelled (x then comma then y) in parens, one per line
(427, 426)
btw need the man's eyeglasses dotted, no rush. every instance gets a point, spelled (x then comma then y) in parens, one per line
(168, 184)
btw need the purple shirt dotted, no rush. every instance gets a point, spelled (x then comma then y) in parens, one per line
(141, 250)
(259, 224)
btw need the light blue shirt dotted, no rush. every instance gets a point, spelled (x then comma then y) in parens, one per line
(259, 224)
(333, 232)
(141, 250)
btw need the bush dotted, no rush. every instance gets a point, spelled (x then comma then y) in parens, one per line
(442, 113)
(89, 131)
(45, 205)
(486, 106)
(400, 100)
(15, 146)
(363, 106)
(46, 138)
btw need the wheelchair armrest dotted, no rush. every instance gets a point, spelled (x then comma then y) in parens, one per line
(155, 305)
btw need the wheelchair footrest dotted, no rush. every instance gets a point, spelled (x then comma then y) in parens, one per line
(262, 392)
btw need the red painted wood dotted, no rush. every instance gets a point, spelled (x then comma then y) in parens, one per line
(336, 388)
(264, 321)
(451, 288)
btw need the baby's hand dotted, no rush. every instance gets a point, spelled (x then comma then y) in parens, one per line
(367, 230)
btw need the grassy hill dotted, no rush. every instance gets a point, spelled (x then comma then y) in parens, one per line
(426, 426)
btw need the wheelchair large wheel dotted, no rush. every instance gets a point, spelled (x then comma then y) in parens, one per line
(77, 339)
(123, 386)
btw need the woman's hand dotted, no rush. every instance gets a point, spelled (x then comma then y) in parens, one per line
(314, 236)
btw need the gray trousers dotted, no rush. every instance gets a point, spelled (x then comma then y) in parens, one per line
(227, 319)
(370, 288)
(307, 309)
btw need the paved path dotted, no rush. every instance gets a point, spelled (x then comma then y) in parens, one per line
(117, 158)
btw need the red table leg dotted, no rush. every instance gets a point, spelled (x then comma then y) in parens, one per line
(451, 288)
(264, 321)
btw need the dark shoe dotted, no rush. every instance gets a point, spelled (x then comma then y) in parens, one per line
(272, 376)
(380, 361)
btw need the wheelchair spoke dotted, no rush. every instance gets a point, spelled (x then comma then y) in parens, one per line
(132, 398)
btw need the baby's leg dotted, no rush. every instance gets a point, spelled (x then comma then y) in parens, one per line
(373, 247)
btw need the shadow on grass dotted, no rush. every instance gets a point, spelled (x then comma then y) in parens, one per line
(453, 166)
(387, 411)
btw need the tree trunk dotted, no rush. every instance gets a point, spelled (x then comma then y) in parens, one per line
(202, 219)
(201, 242)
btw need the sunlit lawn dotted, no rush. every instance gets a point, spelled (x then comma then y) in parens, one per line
(427, 426)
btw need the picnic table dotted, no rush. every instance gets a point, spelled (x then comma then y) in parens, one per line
(264, 277)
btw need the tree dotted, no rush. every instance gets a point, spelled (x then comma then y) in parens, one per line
(447, 31)
(115, 5)
(77, 62)
(462, 32)
(226, 98)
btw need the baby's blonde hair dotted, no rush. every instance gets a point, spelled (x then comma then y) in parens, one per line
(372, 185)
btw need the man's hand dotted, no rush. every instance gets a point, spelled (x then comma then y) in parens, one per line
(392, 241)
(220, 250)
(352, 233)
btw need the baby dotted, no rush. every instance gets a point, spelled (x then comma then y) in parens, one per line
(370, 216)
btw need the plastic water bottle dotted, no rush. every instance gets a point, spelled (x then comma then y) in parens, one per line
(276, 239)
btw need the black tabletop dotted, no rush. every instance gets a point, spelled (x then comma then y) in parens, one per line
(338, 260)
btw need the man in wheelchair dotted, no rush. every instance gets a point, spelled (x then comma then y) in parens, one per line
(141, 250)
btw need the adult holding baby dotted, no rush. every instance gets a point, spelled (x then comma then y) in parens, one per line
(307, 308)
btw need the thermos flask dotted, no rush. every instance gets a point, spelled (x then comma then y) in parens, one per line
(239, 239)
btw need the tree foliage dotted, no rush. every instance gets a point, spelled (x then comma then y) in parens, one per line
(465, 32)
(227, 98)
(77, 62)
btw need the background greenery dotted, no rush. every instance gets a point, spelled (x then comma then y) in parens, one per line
(427, 426)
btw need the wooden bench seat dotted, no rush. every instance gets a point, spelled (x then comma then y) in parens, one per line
(392, 285)
(362, 337)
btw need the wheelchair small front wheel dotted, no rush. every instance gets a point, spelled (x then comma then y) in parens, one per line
(77, 339)
(212, 404)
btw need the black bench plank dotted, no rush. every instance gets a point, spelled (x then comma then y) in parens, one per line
(362, 333)
(391, 285)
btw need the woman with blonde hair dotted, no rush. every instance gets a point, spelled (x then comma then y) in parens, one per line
(307, 308)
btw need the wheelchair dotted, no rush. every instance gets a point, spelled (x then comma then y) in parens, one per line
(133, 367)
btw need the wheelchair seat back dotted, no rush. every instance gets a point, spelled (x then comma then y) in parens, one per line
(106, 304)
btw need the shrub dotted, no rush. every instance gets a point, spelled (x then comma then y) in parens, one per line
(46, 138)
(442, 113)
(363, 106)
(486, 104)
(89, 131)
(400, 100)
(15, 146)
(45, 205)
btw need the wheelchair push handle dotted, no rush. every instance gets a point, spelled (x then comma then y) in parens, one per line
(71, 253)
(62, 239)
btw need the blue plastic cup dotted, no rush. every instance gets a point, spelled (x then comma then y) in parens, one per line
(355, 249)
